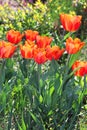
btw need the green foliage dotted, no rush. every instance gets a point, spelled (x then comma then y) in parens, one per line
(44, 98)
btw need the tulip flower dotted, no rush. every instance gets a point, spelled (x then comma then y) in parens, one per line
(70, 23)
(54, 52)
(6, 49)
(73, 46)
(40, 55)
(30, 43)
(27, 49)
(81, 67)
(43, 41)
(14, 36)
(31, 35)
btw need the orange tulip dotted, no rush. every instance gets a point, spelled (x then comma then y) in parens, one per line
(31, 35)
(27, 49)
(81, 67)
(6, 49)
(30, 43)
(54, 52)
(43, 41)
(40, 55)
(70, 23)
(14, 36)
(73, 46)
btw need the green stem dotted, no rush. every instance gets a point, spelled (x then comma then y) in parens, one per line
(83, 90)
(9, 120)
(66, 74)
(39, 76)
(2, 73)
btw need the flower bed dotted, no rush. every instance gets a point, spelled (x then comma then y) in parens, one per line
(43, 77)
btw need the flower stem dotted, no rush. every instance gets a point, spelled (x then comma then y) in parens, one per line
(39, 76)
(2, 73)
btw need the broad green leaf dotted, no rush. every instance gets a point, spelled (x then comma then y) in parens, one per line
(51, 91)
(23, 124)
(73, 58)
(40, 98)
(67, 35)
(50, 112)
(19, 127)
(34, 117)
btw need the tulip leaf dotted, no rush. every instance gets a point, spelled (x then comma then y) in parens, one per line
(23, 124)
(73, 58)
(19, 127)
(67, 35)
(40, 98)
(34, 117)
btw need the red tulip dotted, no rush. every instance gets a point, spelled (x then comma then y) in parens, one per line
(27, 49)
(54, 52)
(14, 36)
(73, 46)
(81, 67)
(40, 55)
(43, 41)
(6, 49)
(31, 35)
(70, 23)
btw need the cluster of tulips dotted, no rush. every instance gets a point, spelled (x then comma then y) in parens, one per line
(39, 47)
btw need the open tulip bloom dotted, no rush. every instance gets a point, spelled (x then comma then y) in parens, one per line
(70, 23)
